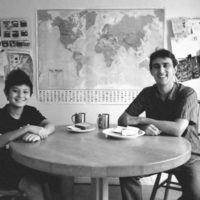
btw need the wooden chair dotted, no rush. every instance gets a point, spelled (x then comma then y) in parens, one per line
(8, 194)
(13, 194)
(168, 183)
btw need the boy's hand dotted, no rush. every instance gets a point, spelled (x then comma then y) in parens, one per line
(29, 137)
(37, 130)
(43, 133)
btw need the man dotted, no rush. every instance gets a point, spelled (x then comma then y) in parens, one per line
(171, 109)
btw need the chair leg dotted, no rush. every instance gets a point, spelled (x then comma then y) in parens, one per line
(47, 192)
(155, 187)
(167, 186)
(12, 195)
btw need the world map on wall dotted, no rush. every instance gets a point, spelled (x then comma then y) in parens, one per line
(97, 49)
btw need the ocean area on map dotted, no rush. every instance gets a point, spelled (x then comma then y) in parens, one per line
(97, 49)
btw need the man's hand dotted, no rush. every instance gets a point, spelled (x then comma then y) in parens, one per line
(151, 130)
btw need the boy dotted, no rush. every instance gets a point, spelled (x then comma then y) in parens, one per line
(18, 120)
(171, 109)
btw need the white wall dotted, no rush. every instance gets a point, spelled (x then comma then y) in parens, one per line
(61, 113)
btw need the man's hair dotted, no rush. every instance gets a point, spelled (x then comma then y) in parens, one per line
(162, 53)
(17, 77)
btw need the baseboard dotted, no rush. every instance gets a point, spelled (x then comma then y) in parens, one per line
(87, 180)
(115, 181)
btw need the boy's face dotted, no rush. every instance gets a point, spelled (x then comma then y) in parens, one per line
(163, 71)
(19, 95)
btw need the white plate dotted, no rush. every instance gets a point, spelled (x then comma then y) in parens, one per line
(109, 132)
(74, 129)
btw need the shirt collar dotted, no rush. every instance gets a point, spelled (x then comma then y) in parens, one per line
(172, 93)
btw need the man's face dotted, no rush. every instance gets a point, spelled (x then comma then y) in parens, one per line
(19, 95)
(163, 71)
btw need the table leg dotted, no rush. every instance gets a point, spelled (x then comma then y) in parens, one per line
(99, 189)
(104, 189)
(95, 185)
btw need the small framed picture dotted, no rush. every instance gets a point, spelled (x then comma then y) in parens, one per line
(6, 34)
(15, 23)
(15, 33)
(24, 33)
(23, 23)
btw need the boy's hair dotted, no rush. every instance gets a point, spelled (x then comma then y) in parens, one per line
(162, 53)
(17, 77)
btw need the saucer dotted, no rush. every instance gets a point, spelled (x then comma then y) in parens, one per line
(72, 128)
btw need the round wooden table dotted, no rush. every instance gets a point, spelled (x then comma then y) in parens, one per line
(92, 155)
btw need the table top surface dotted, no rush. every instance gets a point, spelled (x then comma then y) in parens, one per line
(91, 154)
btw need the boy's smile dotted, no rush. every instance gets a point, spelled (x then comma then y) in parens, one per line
(19, 95)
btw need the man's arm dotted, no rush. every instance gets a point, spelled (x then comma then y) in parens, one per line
(172, 128)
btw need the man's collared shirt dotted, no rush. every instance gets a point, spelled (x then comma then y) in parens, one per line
(181, 103)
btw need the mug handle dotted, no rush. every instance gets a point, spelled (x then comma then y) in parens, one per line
(99, 120)
(73, 118)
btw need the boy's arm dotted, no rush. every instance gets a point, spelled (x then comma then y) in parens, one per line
(12, 135)
(48, 128)
(39, 132)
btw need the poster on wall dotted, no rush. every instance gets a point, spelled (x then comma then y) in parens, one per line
(186, 40)
(11, 60)
(186, 47)
(188, 68)
(15, 43)
(96, 56)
